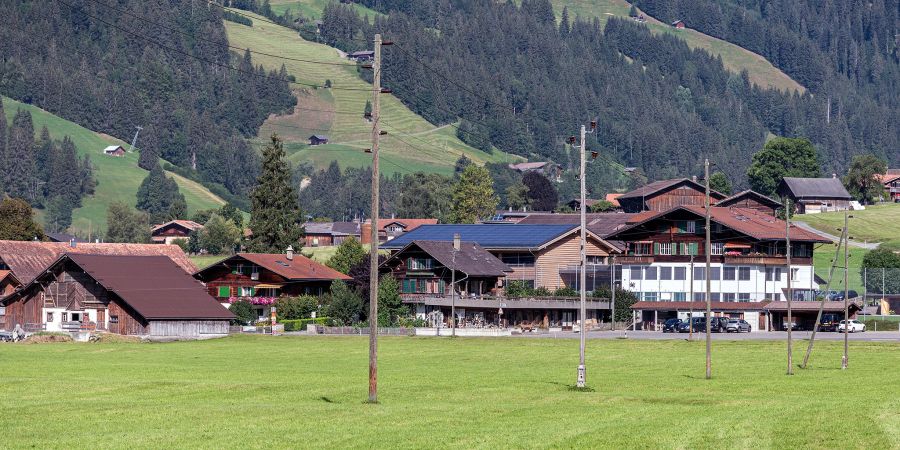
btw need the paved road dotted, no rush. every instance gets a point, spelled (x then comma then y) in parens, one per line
(869, 336)
(866, 245)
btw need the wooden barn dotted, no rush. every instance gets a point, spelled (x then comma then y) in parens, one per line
(129, 295)
(815, 195)
(664, 195)
(678, 24)
(114, 150)
(318, 139)
(751, 200)
(169, 232)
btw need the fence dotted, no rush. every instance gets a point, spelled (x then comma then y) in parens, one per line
(881, 322)
(363, 331)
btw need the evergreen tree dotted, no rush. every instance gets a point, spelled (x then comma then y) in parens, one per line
(43, 156)
(230, 212)
(21, 181)
(17, 221)
(390, 305)
(126, 224)
(3, 158)
(59, 214)
(863, 180)
(782, 157)
(718, 181)
(275, 218)
(159, 197)
(64, 174)
(473, 196)
(148, 158)
(88, 183)
(461, 164)
(542, 195)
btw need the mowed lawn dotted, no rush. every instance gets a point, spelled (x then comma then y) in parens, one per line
(303, 392)
(878, 223)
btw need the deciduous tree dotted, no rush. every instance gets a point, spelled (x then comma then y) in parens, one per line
(219, 235)
(17, 221)
(542, 195)
(863, 179)
(782, 157)
(473, 196)
(126, 224)
(347, 255)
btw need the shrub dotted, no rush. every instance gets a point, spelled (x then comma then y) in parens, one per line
(293, 308)
(542, 292)
(565, 292)
(244, 313)
(300, 324)
(515, 289)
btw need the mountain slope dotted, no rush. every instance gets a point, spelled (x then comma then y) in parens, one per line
(118, 179)
(412, 143)
(734, 57)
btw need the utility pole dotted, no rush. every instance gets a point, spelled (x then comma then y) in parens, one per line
(373, 254)
(612, 293)
(787, 238)
(134, 141)
(812, 337)
(708, 282)
(583, 275)
(691, 300)
(846, 359)
(456, 245)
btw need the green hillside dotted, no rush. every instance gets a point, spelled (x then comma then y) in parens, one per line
(413, 144)
(313, 8)
(117, 178)
(735, 58)
(874, 224)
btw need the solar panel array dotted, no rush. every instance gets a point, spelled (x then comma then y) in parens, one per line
(489, 236)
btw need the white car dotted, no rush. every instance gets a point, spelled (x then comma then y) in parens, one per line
(855, 326)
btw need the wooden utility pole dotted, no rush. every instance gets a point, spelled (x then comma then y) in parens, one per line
(812, 337)
(612, 293)
(691, 300)
(582, 289)
(708, 281)
(787, 238)
(846, 358)
(373, 253)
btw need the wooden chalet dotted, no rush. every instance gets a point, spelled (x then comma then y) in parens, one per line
(548, 169)
(891, 182)
(678, 24)
(169, 232)
(666, 194)
(260, 278)
(814, 195)
(326, 234)
(131, 295)
(114, 150)
(392, 228)
(8, 283)
(750, 199)
(362, 56)
(318, 139)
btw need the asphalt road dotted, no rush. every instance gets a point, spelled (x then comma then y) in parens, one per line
(869, 336)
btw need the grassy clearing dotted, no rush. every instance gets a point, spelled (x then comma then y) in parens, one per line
(202, 261)
(874, 224)
(735, 58)
(118, 178)
(412, 145)
(822, 257)
(292, 392)
(313, 8)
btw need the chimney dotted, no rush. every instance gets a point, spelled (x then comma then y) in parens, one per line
(72, 243)
(365, 233)
(694, 178)
(289, 253)
(456, 241)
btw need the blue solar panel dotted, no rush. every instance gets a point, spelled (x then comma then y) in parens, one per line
(487, 235)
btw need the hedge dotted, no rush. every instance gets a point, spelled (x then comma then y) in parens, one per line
(300, 324)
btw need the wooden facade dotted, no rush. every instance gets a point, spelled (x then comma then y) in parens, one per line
(566, 253)
(243, 280)
(665, 195)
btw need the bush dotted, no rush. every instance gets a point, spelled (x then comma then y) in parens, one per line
(516, 289)
(244, 313)
(566, 292)
(295, 308)
(300, 324)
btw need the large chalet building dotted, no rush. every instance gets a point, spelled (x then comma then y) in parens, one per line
(666, 194)
(169, 232)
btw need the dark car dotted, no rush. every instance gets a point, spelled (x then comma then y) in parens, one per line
(718, 324)
(697, 323)
(671, 325)
(829, 322)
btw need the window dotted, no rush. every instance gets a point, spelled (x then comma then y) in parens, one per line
(699, 273)
(717, 248)
(744, 297)
(686, 226)
(315, 241)
(744, 273)
(715, 273)
(247, 291)
(49, 317)
(680, 273)
(635, 272)
(642, 248)
(113, 319)
(650, 273)
(64, 317)
(224, 291)
(665, 273)
(715, 296)
(802, 251)
(729, 296)
(595, 260)
(649, 296)
(665, 248)
(729, 273)
(699, 296)
(795, 274)
(419, 263)
(518, 259)
(680, 296)
(689, 248)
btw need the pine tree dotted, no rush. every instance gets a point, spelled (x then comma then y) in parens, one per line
(148, 158)
(59, 214)
(3, 162)
(159, 197)
(275, 217)
(473, 196)
(64, 173)
(43, 156)
(20, 180)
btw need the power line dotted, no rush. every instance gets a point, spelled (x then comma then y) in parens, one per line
(288, 58)
(215, 63)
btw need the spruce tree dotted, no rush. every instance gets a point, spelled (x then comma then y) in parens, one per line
(159, 197)
(43, 156)
(3, 173)
(21, 180)
(275, 217)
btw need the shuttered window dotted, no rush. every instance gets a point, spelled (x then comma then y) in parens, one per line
(224, 291)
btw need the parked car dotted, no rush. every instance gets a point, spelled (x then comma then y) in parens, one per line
(671, 325)
(737, 326)
(697, 323)
(839, 295)
(829, 322)
(855, 326)
(718, 324)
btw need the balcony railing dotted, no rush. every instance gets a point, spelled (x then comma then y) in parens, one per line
(488, 301)
(774, 260)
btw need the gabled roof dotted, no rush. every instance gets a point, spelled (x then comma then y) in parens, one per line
(888, 177)
(650, 189)
(320, 137)
(528, 166)
(407, 224)
(62, 237)
(154, 286)
(492, 236)
(471, 259)
(602, 224)
(112, 148)
(332, 228)
(765, 200)
(4, 274)
(187, 224)
(300, 268)
(29, 258)
(815, 188)
(749, 222)
(614, 199)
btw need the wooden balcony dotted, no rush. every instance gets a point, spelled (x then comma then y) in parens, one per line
(504, 302)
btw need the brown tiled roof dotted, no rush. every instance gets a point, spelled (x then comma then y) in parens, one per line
(651, 188)
(811, 306)
(768, 201)
(8, 273)
(189, 224)
(154, 286)
(408, 224)
(29, 258)
(698, 306)
(614, 199)
(888, 177)
(471, 259)
(300, 268)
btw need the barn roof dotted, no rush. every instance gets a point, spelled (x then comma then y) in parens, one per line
(320, 137)
(815, 188)
(765, 200)
(300, 268)
(407, 224)
(655, 187)
(29, 258)
(187, 224)
(471, 259)
(112, 148)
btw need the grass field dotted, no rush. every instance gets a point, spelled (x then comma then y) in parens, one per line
(877, 223)
(735, 58)
(305, 392)
(412, 144)
(822, 257)
(313, 8)
(118, 178)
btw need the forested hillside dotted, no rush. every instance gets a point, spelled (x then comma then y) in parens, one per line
(114, 65)
(662, 108)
